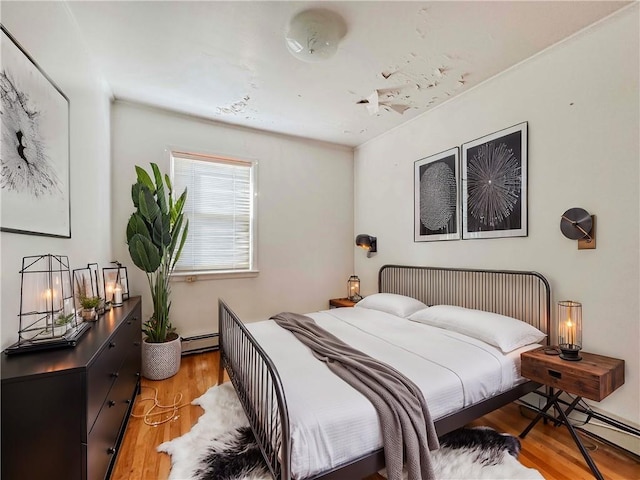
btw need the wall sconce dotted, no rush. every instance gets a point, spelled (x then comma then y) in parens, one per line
(313, 35)
(116, 284)
(570, 330)
(47, 314)
(354, 288)
(577, 224)
(367, 242)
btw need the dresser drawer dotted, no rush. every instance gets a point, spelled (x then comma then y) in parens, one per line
(105, 369)
(103, 438)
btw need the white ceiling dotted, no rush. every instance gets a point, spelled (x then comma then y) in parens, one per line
(228, 61)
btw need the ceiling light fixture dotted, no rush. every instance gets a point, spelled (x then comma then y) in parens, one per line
(313, 35)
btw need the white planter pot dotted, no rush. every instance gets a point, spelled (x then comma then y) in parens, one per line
(60, 330)
(161, 360)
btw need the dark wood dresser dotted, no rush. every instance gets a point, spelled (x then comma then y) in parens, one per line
(64, 411)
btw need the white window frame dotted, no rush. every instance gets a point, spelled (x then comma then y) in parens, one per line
(252, 271)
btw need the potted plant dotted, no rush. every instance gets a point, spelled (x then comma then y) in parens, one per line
(89, 303)
(89, 306)
(156, 234)
(62, 324)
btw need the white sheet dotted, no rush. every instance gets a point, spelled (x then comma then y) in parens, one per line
(332, 423)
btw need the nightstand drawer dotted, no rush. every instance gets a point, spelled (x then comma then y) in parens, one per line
(594, 377)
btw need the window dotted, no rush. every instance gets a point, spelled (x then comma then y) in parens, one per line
(221, 211)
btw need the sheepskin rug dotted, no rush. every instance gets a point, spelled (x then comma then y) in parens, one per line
(220, 446)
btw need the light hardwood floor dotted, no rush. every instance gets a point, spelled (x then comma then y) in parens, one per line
(547, 448)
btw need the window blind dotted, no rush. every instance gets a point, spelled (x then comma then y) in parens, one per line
(220, 209)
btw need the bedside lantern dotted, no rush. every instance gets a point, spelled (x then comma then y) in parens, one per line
(570, 329)
(354, 289)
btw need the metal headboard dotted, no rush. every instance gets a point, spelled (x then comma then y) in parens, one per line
(522, 295)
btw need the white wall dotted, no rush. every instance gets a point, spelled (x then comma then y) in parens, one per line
(49, 34)
(581, 101)
(305, 215)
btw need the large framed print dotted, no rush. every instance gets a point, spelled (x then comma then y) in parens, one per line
(35, 147)
(494, 185)
(436, 198)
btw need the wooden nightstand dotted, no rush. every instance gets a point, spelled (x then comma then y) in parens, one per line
(341, 302)
(594, 377)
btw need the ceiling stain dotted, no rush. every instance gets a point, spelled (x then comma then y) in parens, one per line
(236, 107)
(419, 83)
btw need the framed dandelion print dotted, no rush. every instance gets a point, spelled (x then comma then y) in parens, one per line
(34, 156)
(494, 185)
(436, 199)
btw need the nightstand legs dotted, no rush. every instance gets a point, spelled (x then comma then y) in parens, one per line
(553, 402)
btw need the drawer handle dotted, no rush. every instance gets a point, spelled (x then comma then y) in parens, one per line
(136, 344)
(127, 401)
(111, 403)
(115, 374)
(112, 344)
(111, 450)
(555, 374)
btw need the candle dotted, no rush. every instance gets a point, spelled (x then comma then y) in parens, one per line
(47, 296)
(109, 292)
(117, 294)
(570, 332)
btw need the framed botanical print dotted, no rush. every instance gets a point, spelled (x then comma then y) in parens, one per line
(494, 185)
(436, 199)
(35, 147)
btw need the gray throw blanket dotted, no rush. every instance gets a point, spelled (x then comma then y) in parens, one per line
(402, 410)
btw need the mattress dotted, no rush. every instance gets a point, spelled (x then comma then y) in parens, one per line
(332, 423)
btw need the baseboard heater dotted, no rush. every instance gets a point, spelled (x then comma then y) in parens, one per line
(200, 343)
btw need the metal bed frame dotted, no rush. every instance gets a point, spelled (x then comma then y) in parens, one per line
(522, 295)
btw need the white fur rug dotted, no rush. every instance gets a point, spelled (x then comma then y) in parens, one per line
(215, 433)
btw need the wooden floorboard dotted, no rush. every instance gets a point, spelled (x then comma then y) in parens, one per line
(547, 448)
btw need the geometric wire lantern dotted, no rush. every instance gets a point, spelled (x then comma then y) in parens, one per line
(116, 284)
(82, 285)
(47, 312)
(96, 285)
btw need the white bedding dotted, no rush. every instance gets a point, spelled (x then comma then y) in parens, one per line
(332, 423)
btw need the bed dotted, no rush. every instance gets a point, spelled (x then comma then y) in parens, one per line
(284, 414)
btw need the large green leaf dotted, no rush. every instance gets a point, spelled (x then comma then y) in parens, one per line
(135, 193)
(144, 253)
(160, 191)
(175, 233)
(183, 239)
(179, 206)
(145, 179)
(161, 233)
(137, 225)
(148, 206)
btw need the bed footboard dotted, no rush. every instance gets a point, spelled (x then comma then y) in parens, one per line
(259, 389)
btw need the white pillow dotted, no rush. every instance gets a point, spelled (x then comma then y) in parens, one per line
(392, 303)
(501, 331)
